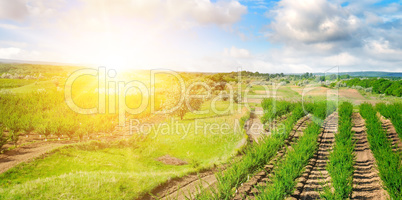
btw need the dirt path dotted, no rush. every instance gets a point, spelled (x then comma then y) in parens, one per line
(34, 146)
(25, 153)
(249, 189)
(316, 176)
(391, 133)
(254, 128)
(366, 182)
(182, 188)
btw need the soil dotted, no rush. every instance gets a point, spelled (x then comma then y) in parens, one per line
(315, 176)
(185, 187)
(249, 189)
(366, 182)
(26, 153)
(169, 160)
(391, 133)
(190, 185)
(32, 146)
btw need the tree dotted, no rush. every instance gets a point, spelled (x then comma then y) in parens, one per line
(189, 105)
(3, 138)
(14, 126)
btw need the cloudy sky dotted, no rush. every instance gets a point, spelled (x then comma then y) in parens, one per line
(206, 35)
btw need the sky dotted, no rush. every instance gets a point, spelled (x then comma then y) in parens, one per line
(289, 36)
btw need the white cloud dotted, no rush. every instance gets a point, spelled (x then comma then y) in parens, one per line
(222, 12)
(311, 21)
(205, 11)
(382, 50)
(236, 53)
(9, 53)
(9, 26)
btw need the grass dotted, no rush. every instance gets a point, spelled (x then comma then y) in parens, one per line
(45, 85)
(393, 112)
(254, 159)
(283, 181)
(14, 83)
(388, 161)
(124, 171)
(284, 178)
(275, 108)
(341, 159)
(75, 173)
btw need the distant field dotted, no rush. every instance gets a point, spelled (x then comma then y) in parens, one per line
(14, 83)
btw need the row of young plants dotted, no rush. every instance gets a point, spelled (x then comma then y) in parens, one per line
(341, 159)
(274, 108)
(284, 179)
(255, 157)
(389, 162)
(392, 112)
(44, 114)
(258, 155)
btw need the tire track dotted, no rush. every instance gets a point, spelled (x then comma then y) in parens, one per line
(249, 189)
(316, 177)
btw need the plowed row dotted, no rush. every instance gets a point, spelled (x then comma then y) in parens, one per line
(249, 189)
(315, 176)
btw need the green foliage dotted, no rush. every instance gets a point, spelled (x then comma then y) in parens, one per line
(13, 83)
(46, 113)
(3, 137)
(258, 155)
(380, 86)
(341, 159)
(389, 162)
(274, 108)
(254, 159)
(283, 181)
(393, 112)
(31, 69)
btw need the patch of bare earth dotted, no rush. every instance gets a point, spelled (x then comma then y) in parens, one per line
(169, 160)
(32, 146)
(315, 176)
(25, 153)
(366, 182)
(184, 187)
(391, 133)
(190, 185)
(249, 189)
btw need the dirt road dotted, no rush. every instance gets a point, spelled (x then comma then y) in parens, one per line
(25, 153)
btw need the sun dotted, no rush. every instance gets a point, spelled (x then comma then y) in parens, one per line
(121, 53)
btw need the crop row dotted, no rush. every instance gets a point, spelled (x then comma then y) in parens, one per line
(274, 108)
(260, 154)
(284, 179)
(341, 159)
(255, 157)
(393, 112)
(45, 113)
(389, 162)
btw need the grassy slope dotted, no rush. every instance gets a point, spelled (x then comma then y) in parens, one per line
(122, 173)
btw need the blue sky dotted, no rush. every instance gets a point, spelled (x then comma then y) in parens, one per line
(204, 35)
